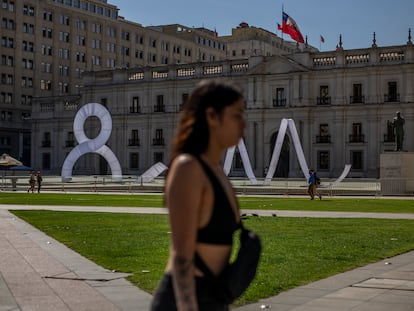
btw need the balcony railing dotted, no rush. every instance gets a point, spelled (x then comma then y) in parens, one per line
(356, 138)
(46, 143)
(159, 108)
(325, 100)
(133, 142)
(323, 139)
(133, 109)
(158, 142)
(280, 102)
(391, 98)
(357, 99)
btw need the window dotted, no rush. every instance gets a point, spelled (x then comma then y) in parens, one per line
(27, 63)
(125, 35)
(125, 51)
(158, 157)
(7, 60)
(63, 71)
(27, 82)
(64, 20)
(46, 67)
(70, 141)
(357, 96)
(159, 107)
(80, 40)
(134, 140)
(6, 116)
(139, 54)
(392, 95)
(323, 136)
(324, 98)
(8, 24)
(97, 28)
(26, 100)
(356, 136)
(46, 50)
(45, 85)
(134, 105)
(159, 138)
(96, 60)
(96, 44)
(28, 28)
(7, 79)
(280, 100)
(46, 139)
(63, 53)
(139, 39)
(47, 33)
(80, 57)
(134, 160)
(64, 36)
(356, 160)
(28, 46)
(323, 160)
(111, 32)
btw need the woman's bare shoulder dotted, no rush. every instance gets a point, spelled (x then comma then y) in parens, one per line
(185, 162)
(185, 173)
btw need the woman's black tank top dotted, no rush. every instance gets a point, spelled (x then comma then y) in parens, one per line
(223, 223)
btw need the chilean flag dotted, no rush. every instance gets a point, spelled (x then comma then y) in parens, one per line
(290, 27)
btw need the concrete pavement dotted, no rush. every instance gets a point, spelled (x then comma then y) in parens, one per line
(39, 273)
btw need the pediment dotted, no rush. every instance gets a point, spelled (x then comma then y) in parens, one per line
(277, 65)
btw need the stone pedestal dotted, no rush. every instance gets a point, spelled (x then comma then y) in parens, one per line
(397, 173)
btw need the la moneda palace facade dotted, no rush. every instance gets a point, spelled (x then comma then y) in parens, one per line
(342, 101)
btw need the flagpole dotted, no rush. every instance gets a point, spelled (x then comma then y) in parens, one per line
(282, 22)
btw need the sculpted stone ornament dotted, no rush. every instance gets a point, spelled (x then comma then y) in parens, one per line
(398, 125)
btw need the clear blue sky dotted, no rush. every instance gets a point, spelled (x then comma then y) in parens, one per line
(356, 20)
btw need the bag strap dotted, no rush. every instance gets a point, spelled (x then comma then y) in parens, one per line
(199, 262)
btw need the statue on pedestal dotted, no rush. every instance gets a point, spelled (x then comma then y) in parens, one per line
(398, 124)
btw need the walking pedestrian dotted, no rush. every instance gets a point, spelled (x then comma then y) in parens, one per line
(313, 183)
(204, 219)
(32, 182)
(39, 180)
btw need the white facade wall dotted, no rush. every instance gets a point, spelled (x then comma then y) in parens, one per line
(357, 130)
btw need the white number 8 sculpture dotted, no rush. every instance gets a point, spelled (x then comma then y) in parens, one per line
(96, 145)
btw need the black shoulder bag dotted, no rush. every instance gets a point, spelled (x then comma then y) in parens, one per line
(238, 275)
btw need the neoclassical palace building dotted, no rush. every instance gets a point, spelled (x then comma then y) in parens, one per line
(342, 103)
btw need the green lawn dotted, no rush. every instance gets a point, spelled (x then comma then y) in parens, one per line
(247, 202)
(296, 251)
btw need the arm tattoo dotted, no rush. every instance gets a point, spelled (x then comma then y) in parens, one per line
(184, 284)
